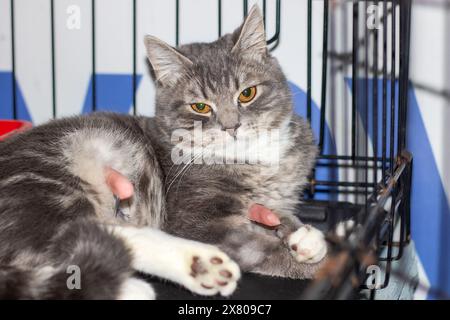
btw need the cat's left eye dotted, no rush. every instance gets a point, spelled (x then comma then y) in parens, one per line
(201, 108)
(247, 95)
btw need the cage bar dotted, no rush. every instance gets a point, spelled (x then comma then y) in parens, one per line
(308, 62)
(265, 12)
(276, 37)
(177, 23)
(13, 61)
(324, 76)
(405, 33)
(366, 108)
(219, 18)
(375, 99)
(134, 87)
(52, 30)
(393, 81)
(355, 63)
(384, 110)
(94, 74)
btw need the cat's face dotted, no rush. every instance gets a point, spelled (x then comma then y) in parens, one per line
(232, 85)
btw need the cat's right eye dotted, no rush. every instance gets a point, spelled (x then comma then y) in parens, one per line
(202, 108)
(247, 95)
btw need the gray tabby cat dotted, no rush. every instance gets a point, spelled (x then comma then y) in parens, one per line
(57, 214)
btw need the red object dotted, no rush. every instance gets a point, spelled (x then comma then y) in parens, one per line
(263, 215)
(118, 184)
(10, 127)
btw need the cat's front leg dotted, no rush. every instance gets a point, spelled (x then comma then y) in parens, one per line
(201, 268)
(258, 249)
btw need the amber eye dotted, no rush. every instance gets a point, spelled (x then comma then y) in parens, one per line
(201, 107)
(247, 95)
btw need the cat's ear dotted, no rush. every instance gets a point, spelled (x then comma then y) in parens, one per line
(252, 37)
(167, 63)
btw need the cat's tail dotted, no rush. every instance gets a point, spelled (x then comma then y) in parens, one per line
(84, 261)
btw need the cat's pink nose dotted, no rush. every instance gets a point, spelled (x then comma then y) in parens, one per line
(232, 131)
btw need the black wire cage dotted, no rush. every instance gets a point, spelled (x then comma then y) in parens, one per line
(383, 167)
(377, 195)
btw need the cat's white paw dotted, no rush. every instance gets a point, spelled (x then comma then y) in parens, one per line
(307, 245)
(210, 271)
(136, 289)
(200, 267)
